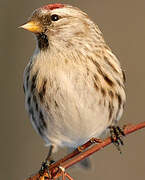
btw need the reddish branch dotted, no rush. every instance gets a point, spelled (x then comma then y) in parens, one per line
(57, 169)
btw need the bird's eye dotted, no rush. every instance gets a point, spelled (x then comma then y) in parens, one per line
(54, 17)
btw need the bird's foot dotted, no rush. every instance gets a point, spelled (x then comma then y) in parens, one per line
(45, 167)
(116, 136)
(48, 161)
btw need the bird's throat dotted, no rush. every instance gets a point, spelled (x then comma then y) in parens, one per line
(43, 42)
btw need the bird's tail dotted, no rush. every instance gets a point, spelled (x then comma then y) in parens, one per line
(85, 163)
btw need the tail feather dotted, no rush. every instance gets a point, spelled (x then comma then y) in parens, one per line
(85, 163)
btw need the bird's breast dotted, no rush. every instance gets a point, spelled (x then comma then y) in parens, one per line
(65, 103)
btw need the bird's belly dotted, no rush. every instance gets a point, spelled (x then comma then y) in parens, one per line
(73, 119)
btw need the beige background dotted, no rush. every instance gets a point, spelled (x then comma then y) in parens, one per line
(21, 149)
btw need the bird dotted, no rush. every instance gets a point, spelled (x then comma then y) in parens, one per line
(74, 85)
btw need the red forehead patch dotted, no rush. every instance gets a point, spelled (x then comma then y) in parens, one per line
(53, 6)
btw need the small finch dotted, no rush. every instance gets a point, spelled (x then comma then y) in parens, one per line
(73, 83)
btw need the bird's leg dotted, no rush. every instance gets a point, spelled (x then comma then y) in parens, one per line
(48, 161)
(116, 136)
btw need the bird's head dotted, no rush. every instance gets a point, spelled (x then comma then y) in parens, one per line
(60, 25)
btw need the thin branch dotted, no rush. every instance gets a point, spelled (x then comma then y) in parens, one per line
(76, 156)
(68, 176)
(63, 176)
(71, 155)
(127, 130)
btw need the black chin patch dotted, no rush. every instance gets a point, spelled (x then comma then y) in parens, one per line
(42, 41)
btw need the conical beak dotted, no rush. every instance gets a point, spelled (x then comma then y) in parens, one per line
(32, 26)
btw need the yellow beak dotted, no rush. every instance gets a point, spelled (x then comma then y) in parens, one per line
(32, 26)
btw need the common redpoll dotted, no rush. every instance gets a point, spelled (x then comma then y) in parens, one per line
(74, 84)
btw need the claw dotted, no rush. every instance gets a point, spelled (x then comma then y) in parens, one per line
(120, 130)
(116, 136)
(44, 168)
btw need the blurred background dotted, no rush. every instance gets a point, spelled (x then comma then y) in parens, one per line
(21, 149)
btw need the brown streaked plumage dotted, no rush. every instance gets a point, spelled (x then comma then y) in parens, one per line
(74, 84)
(42, 91)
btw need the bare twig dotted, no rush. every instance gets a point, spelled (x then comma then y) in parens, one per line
(68, 176)
(127, 130)
(76, 156)
(63, 176)
(71, 155)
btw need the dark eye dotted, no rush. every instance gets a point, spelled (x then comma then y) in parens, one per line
(54, 17)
